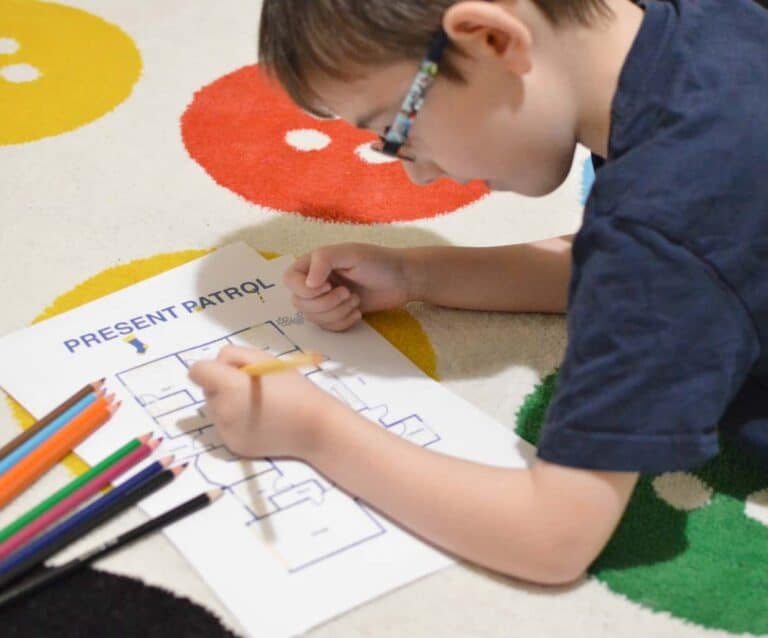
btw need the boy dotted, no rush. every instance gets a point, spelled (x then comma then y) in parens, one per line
(668, 297)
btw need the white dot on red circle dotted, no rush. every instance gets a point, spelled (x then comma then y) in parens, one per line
(8, 46)
(307, 139)
(367, 154)
(19, 73)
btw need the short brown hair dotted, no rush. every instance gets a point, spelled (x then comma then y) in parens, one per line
(332, 37)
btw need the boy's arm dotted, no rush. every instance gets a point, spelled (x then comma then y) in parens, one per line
(545, 524)
(531, 277)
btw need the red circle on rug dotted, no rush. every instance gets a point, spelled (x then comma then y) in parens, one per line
(250, 138)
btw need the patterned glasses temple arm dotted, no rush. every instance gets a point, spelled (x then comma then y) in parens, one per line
(396, 134)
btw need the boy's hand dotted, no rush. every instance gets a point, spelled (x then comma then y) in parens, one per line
(334, 285)
(272, 415)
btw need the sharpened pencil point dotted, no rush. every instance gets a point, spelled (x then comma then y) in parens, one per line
(215, 494)
(166, 461)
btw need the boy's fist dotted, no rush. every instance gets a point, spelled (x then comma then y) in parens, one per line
(271, 415)
(333, 286)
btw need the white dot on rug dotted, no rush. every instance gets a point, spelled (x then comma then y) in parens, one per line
(19, 73)
(756, 506)
(367, 154)
(682, 491)
(307, 139)
(8, 46)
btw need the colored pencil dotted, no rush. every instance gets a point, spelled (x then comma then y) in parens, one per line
(33, 466)
(39, 425)
(78, 525)
(44, 578)
(47, 432)
(75, 484)
(278, 365)
(76, 499)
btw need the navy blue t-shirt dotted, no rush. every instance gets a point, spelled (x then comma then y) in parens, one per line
(668, 304)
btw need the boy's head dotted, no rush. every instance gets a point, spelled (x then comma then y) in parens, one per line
(502, 108)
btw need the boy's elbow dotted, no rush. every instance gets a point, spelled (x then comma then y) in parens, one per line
(573, 516)
(559, 563)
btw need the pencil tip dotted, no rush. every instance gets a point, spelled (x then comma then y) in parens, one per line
(179, 469)
(154, 443)
(115, 407)
(145, 438)
(166, 461)
(215, 494)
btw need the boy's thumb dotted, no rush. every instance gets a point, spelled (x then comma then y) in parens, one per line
(320, 267)
(323, 261)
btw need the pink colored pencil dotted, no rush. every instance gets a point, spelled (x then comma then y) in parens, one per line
(75, 499)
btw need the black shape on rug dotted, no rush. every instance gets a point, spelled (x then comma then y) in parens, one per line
(97, 604)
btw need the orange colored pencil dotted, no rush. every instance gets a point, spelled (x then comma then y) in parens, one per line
(38, 462)
(27, 434)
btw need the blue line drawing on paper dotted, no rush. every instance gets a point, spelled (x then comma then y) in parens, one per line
(309, 519)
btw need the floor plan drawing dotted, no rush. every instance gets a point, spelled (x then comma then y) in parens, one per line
(305, 518)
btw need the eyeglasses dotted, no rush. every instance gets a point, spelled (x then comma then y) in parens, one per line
(396, 135)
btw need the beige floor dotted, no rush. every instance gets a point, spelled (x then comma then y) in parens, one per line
(123, 187)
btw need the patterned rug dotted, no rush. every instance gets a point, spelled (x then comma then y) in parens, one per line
(136, 135)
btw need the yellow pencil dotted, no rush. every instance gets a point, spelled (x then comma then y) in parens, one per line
(278, 365)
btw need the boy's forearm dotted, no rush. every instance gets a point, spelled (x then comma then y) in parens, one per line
(511, 521)
(531, 277)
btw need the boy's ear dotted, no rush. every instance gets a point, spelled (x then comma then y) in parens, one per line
(490, 30)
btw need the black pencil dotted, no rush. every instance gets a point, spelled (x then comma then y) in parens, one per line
(44, 578)
(53, 414)
(58, 541)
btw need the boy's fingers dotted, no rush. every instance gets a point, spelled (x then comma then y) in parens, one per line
(214, 377)
(322, 303)
(345, 323)
(237, 356)
(339, 313)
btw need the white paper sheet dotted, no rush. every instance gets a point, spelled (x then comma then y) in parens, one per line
(284, 549)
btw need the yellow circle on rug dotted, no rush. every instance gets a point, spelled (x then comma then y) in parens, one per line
(60, 68)
(398, 327)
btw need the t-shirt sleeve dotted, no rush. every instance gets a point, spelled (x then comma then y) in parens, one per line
(658, 345)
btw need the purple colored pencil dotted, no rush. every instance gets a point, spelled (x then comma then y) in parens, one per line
(74, 500)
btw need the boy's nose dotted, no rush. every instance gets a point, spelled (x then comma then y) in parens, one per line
(422, 173)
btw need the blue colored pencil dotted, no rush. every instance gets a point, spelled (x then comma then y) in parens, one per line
(108, 506)
(49, 430)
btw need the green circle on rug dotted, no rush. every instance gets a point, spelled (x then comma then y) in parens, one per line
(694, 544)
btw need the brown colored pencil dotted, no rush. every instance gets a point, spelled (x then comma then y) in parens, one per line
(44, 457)
(27, 434)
